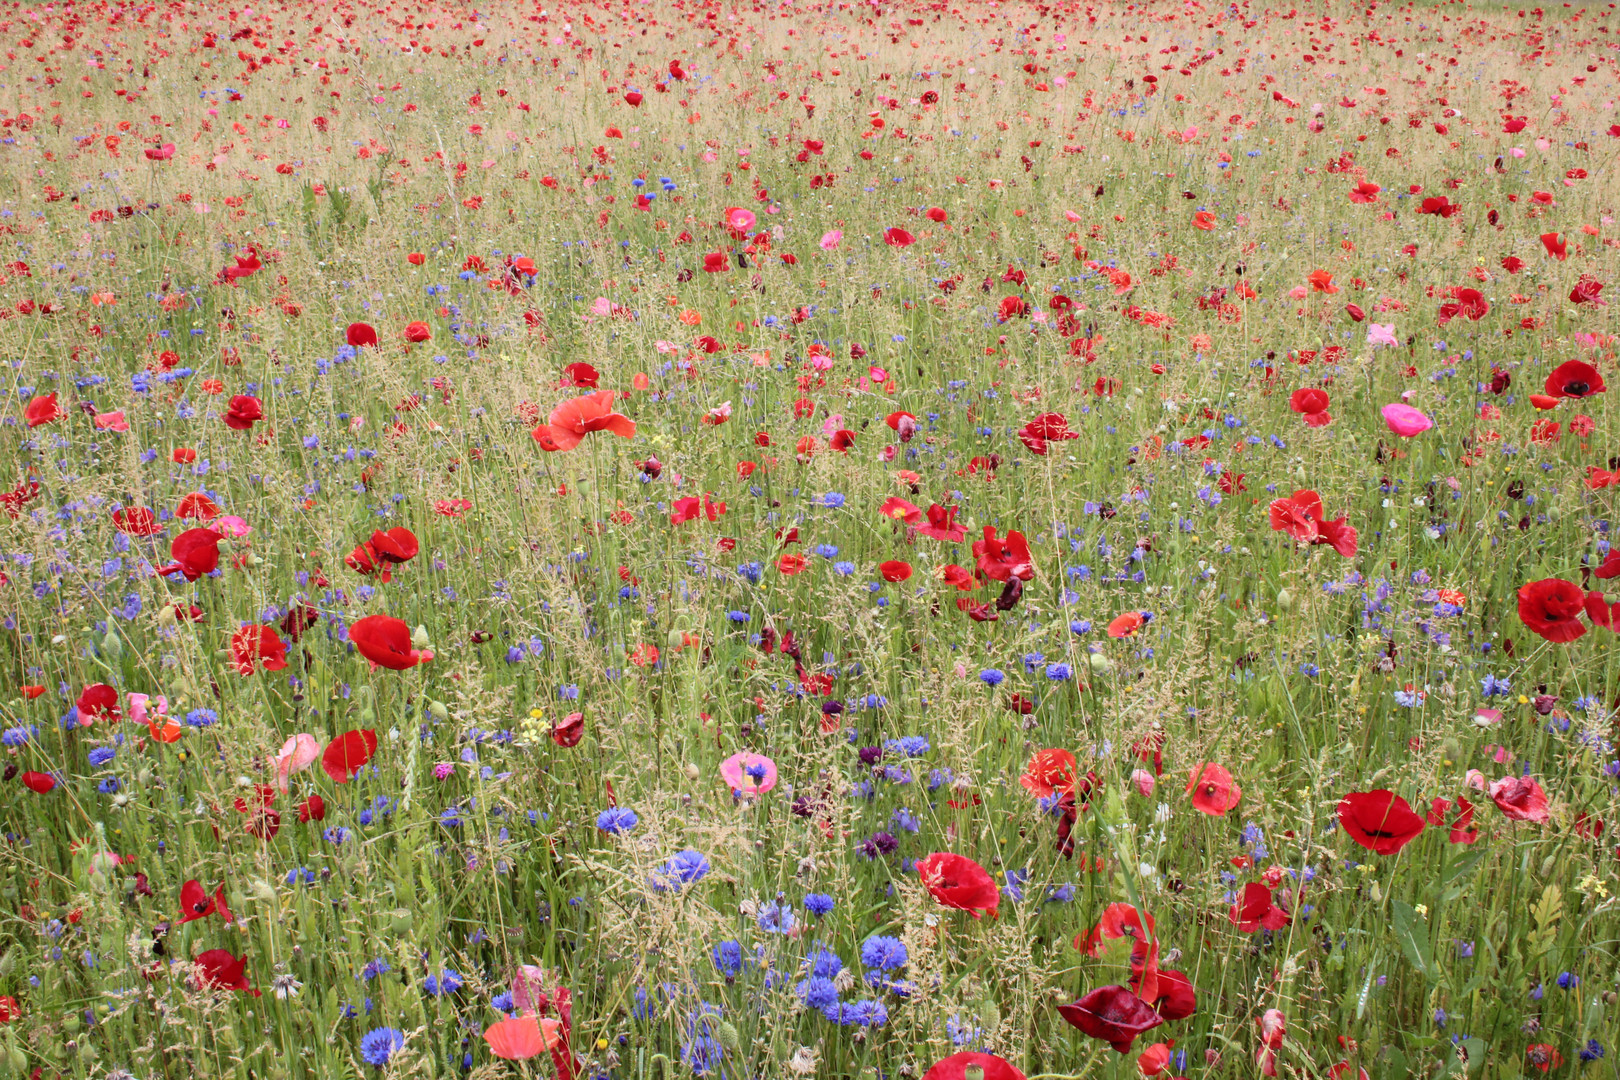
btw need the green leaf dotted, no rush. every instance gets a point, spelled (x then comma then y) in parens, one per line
(1412, 932)
(1458, 872)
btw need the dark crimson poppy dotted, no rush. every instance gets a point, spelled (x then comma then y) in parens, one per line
(135, 520)
(244, 412)
(196, 505)
(1112, 1014)
(1177, 999)
(1256, 911)
(581, 374)
(218, 968)
(1586, 291)
(1574, 379)
(1552, 607)
(312, 809)
(98, 701)
(1047, 427)
(959, 882)
(195, 903)
(299, 617)
(986, 1066)
(1013, 307)
(1380, 821)
(942, 525)
(417, 332)
(42, 410)
(348, 753)
(568, 730)
(386, 642)
(253, 647)
(1001, 560)
(894, 570)
(195, 552)
(39, 782)
(1355, 311)
(360, 334)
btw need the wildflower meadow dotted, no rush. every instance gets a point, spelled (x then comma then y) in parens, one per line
(954, 540)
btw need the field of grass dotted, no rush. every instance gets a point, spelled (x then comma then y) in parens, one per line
(775, 540)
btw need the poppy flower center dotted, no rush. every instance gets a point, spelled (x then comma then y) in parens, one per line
(1577, 389)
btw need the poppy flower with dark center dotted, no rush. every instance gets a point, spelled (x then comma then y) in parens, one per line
(1380, 820)
(383, 551)
(195, 903)
(135, 520)
(958, 882)
(1552, 607)
(1112, 1014)
(898, 237)
(581, 374)
(219, 969)
(1213, 790)
(360, 334)
(1466, 303)
(386, 642)
(253, 647)
(1049, 771)
(195, 552)
(243, 413)
(348, 754)
(1048, 427)
(1574, 379)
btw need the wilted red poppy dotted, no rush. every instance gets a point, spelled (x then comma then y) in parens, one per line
(360, 334)
(1112, 1014)
(1048, 772)
(218, 968)
(135, 520)
(256, 646)
(1574, 379)
(959, 882)
(348, 753)
(1256, 911)
(244, 412)
(1552, 607)
(1213, 790)
(577, 417)
(1005, 559)
(568, 730)
(195, 552)
(894, 570)
(985, 1067)
(1380, 820)
(39, 782)
(386, 642)
(1520, 798)
(1586, 291)
(195, 903)
(42, 410)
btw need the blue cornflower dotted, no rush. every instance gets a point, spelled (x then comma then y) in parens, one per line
(728, 958)
(336, 834)
(618, 819)
(201, 718)
(380, 1044)
(880, 953)
(1059, 672)
(101, 755)
(818, 993)
(738, 616)
(909, 745)
(18, 736)
(832, 499)
(776, 918)
(992, 676)
(446, 981)
(818, 904)
(683, 868)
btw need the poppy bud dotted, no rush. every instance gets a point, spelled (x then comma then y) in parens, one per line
(420, 639)
(437, 710)
(1285, 600)
(1100, 664)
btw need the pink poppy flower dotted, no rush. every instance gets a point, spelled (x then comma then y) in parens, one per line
(297, 754)
(1381, 334)
(111, 421)
(752, 774)
(1406, 421)
(831, 239)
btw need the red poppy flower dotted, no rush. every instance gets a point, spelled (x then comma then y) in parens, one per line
(135, 520)
(1312, 403)
(1048, 427)
(1574, 379)
(577, 417)
(39, 782)
(568, 730)
(1112, 1014)
(195, 552)
(898, 237)
(243, 413)
(1439, 205)
(312, 809)
(1301, 516)
(1125, 624)
(1468, 303)
(42, 410)
(942, 525)
(416, 258)
(417, 332)
(98, 701)
(360, 334)
(792, 564)
(985, 1066)
(1552, 607)
(900, 510)
(1365, 192)
(1586, 291)
(894, 570)
(348, 753)
(1558, 249)
(256, 646)
(386, 642)
(951, 574)
(716, 262)
(1005, 559)
(936, 215)
(183, 455)
(218, 968)
(1256, 911)
(383, 551)
(1049, 771)
(1380, 820)
(196, 505)
(581, 374)
(1176, 998)
(1213, 790)
(195, 903)
(691, 508)
(1520, 798)
(903, 424)
(958, 882)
